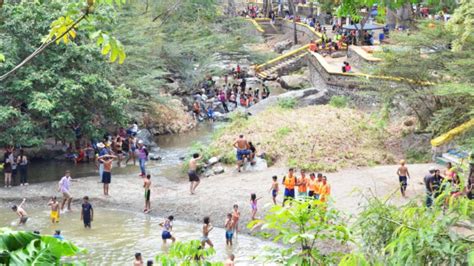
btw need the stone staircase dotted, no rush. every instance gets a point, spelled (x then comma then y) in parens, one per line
(270, 69)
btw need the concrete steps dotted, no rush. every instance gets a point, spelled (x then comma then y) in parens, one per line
(268, 73)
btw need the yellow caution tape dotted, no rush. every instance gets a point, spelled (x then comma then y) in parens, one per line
(448, 136)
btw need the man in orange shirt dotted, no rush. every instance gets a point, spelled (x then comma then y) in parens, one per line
(317, 186)
(302, 184)
(289, 183)
(325, 190)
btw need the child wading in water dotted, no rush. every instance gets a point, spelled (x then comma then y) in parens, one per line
(235, 219)
(87, 212)
(229, 233)
(21, 212)
(274, 189)
(147, 185)
(54, 204)
(253, 204)
(206, 228)
(167, 227)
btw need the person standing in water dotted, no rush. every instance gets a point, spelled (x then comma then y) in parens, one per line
(138, 259)
(235, 218)
(64, 187)
(192, 173)
(54, 204)
(206, 228)
(107, 161)
(403, 176)
(147, 187)
(167, 227)
(87, 212)
(229, 233)
(142, 157)
(21, 212)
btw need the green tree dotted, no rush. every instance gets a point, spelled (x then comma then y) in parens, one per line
(437, 80)
(63, 88)
(64, 28)
(301, 227)
(26, 248)
(187, 254)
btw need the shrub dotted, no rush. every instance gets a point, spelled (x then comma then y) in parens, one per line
(287, 103)
(339, 101)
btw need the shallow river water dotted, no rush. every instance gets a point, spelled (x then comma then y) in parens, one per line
(172, 147)
(116, 235)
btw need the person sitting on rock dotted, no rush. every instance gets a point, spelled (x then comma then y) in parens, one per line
(346, 67)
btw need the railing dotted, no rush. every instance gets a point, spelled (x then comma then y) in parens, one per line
(330, 71)
(257, 26)
(282, 57)
(448, 136)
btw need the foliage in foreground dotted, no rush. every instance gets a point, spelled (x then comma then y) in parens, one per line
(26, 248)
(413, 234)
(303, 227)
(187, 254)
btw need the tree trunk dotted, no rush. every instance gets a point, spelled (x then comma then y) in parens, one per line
(292, 10)
(311, 9)
(391, 19)
(231, 8)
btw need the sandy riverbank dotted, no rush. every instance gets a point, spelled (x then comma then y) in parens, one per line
(216, 195)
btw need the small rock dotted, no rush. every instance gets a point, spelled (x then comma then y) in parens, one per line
(154, 157)
(213, 160)
(182, 158)
(218, 170)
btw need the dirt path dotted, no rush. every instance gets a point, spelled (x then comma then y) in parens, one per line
(216, 195)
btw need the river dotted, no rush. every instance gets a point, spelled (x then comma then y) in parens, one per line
(172, 148)
(117, 235)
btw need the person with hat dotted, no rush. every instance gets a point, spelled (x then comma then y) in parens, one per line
(142, 157)
(102, 152)
(429, 182)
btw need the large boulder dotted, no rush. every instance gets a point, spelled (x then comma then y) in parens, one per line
(294, 82)
(147, 137)
(279, 47)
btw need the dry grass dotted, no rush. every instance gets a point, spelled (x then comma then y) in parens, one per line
(316, 138)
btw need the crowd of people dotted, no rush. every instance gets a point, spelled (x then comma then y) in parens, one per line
(235, 92)
(15, 162)
(437, 182)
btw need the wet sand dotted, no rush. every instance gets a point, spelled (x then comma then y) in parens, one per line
(217, 194)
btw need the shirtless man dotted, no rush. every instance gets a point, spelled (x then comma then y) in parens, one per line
(138, 259)
(403, 176)
(21, 212)
(146, 186)
(192, 172)
(242, 146)
(230, 260)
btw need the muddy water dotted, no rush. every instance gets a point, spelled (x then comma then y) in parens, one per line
(172, 148)
(116, 235)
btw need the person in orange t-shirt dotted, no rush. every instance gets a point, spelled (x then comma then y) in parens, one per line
(302, 184)
(312, 182)
(313, 47)
(289, 182)
(325, 190)
(317, 186)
